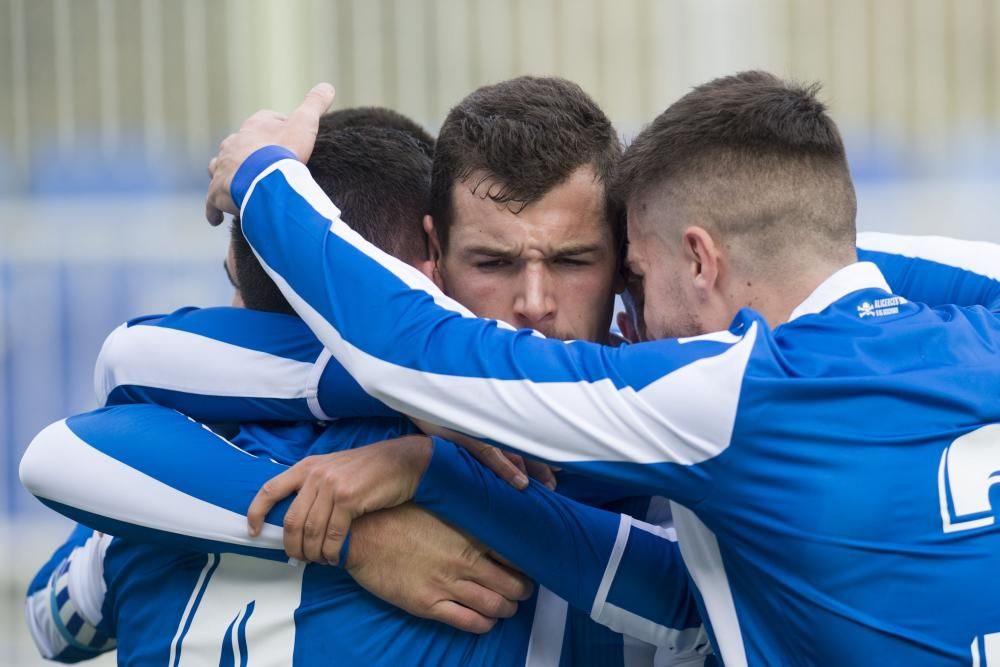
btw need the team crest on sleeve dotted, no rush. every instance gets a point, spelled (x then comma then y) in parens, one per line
(880, 307)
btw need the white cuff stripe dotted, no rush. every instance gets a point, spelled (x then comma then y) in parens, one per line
(621, 540)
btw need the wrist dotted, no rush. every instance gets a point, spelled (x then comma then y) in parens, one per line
(356, 549)
(415, 453)
(251, 168)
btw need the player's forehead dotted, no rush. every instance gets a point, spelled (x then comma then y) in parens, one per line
(570, 215)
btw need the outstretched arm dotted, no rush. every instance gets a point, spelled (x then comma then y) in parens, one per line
(186, 487)
(636, 414)
(227, 365)
(642, 415)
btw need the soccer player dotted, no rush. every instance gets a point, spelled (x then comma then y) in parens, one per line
(596, 261)
(829, 446)
(145, 584)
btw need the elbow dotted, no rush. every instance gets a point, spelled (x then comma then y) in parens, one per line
(41, 463)
(106, 369)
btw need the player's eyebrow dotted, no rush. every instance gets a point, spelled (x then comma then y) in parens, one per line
(225, 267)
(575, 249)
(490, 251)
(570, 250)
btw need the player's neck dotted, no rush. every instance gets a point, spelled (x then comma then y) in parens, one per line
(776, 299)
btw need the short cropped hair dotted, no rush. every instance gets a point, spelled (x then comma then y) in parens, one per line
(756, 155)
(378, 117)
(377, 172)
(517, 140)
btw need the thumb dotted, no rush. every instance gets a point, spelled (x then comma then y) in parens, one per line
(303, 123)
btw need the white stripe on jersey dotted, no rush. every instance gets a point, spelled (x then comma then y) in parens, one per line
(976, 256)
(44, 473)
(313, 401)
(38, 615)
(678, 642)
(209, 564)
(621, 539)
(235, 371)
(548, 627)
(704, 561)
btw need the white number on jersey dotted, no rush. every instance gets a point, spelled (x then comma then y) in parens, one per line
(970, 466)
(225, 617)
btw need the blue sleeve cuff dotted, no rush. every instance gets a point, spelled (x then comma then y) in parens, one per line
(445, 465)
(258, 161)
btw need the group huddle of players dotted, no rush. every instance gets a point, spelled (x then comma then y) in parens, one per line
(784, 455)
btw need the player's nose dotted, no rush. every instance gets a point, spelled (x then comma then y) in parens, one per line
(534, 305)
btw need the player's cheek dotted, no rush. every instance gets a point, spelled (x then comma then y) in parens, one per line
(487, 296)
(594, 288)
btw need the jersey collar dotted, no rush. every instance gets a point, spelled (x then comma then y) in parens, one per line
(851, 278)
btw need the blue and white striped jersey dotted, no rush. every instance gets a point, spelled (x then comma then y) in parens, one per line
(832, 477)
(226, 365)
(137, 485)
(172, 607)
(161, 603)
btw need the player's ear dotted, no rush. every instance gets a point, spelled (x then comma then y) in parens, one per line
(431, 268)
(433, 242)
(703, 256)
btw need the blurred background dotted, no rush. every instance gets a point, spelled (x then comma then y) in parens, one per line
(110, 109)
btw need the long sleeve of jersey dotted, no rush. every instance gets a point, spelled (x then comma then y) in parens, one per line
(598, 561)
(638, 414)
(226, 365)
(65, 602)
(643, 414)
(185, 487)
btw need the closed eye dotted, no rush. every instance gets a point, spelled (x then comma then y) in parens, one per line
(572, 261)
(492, 264)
